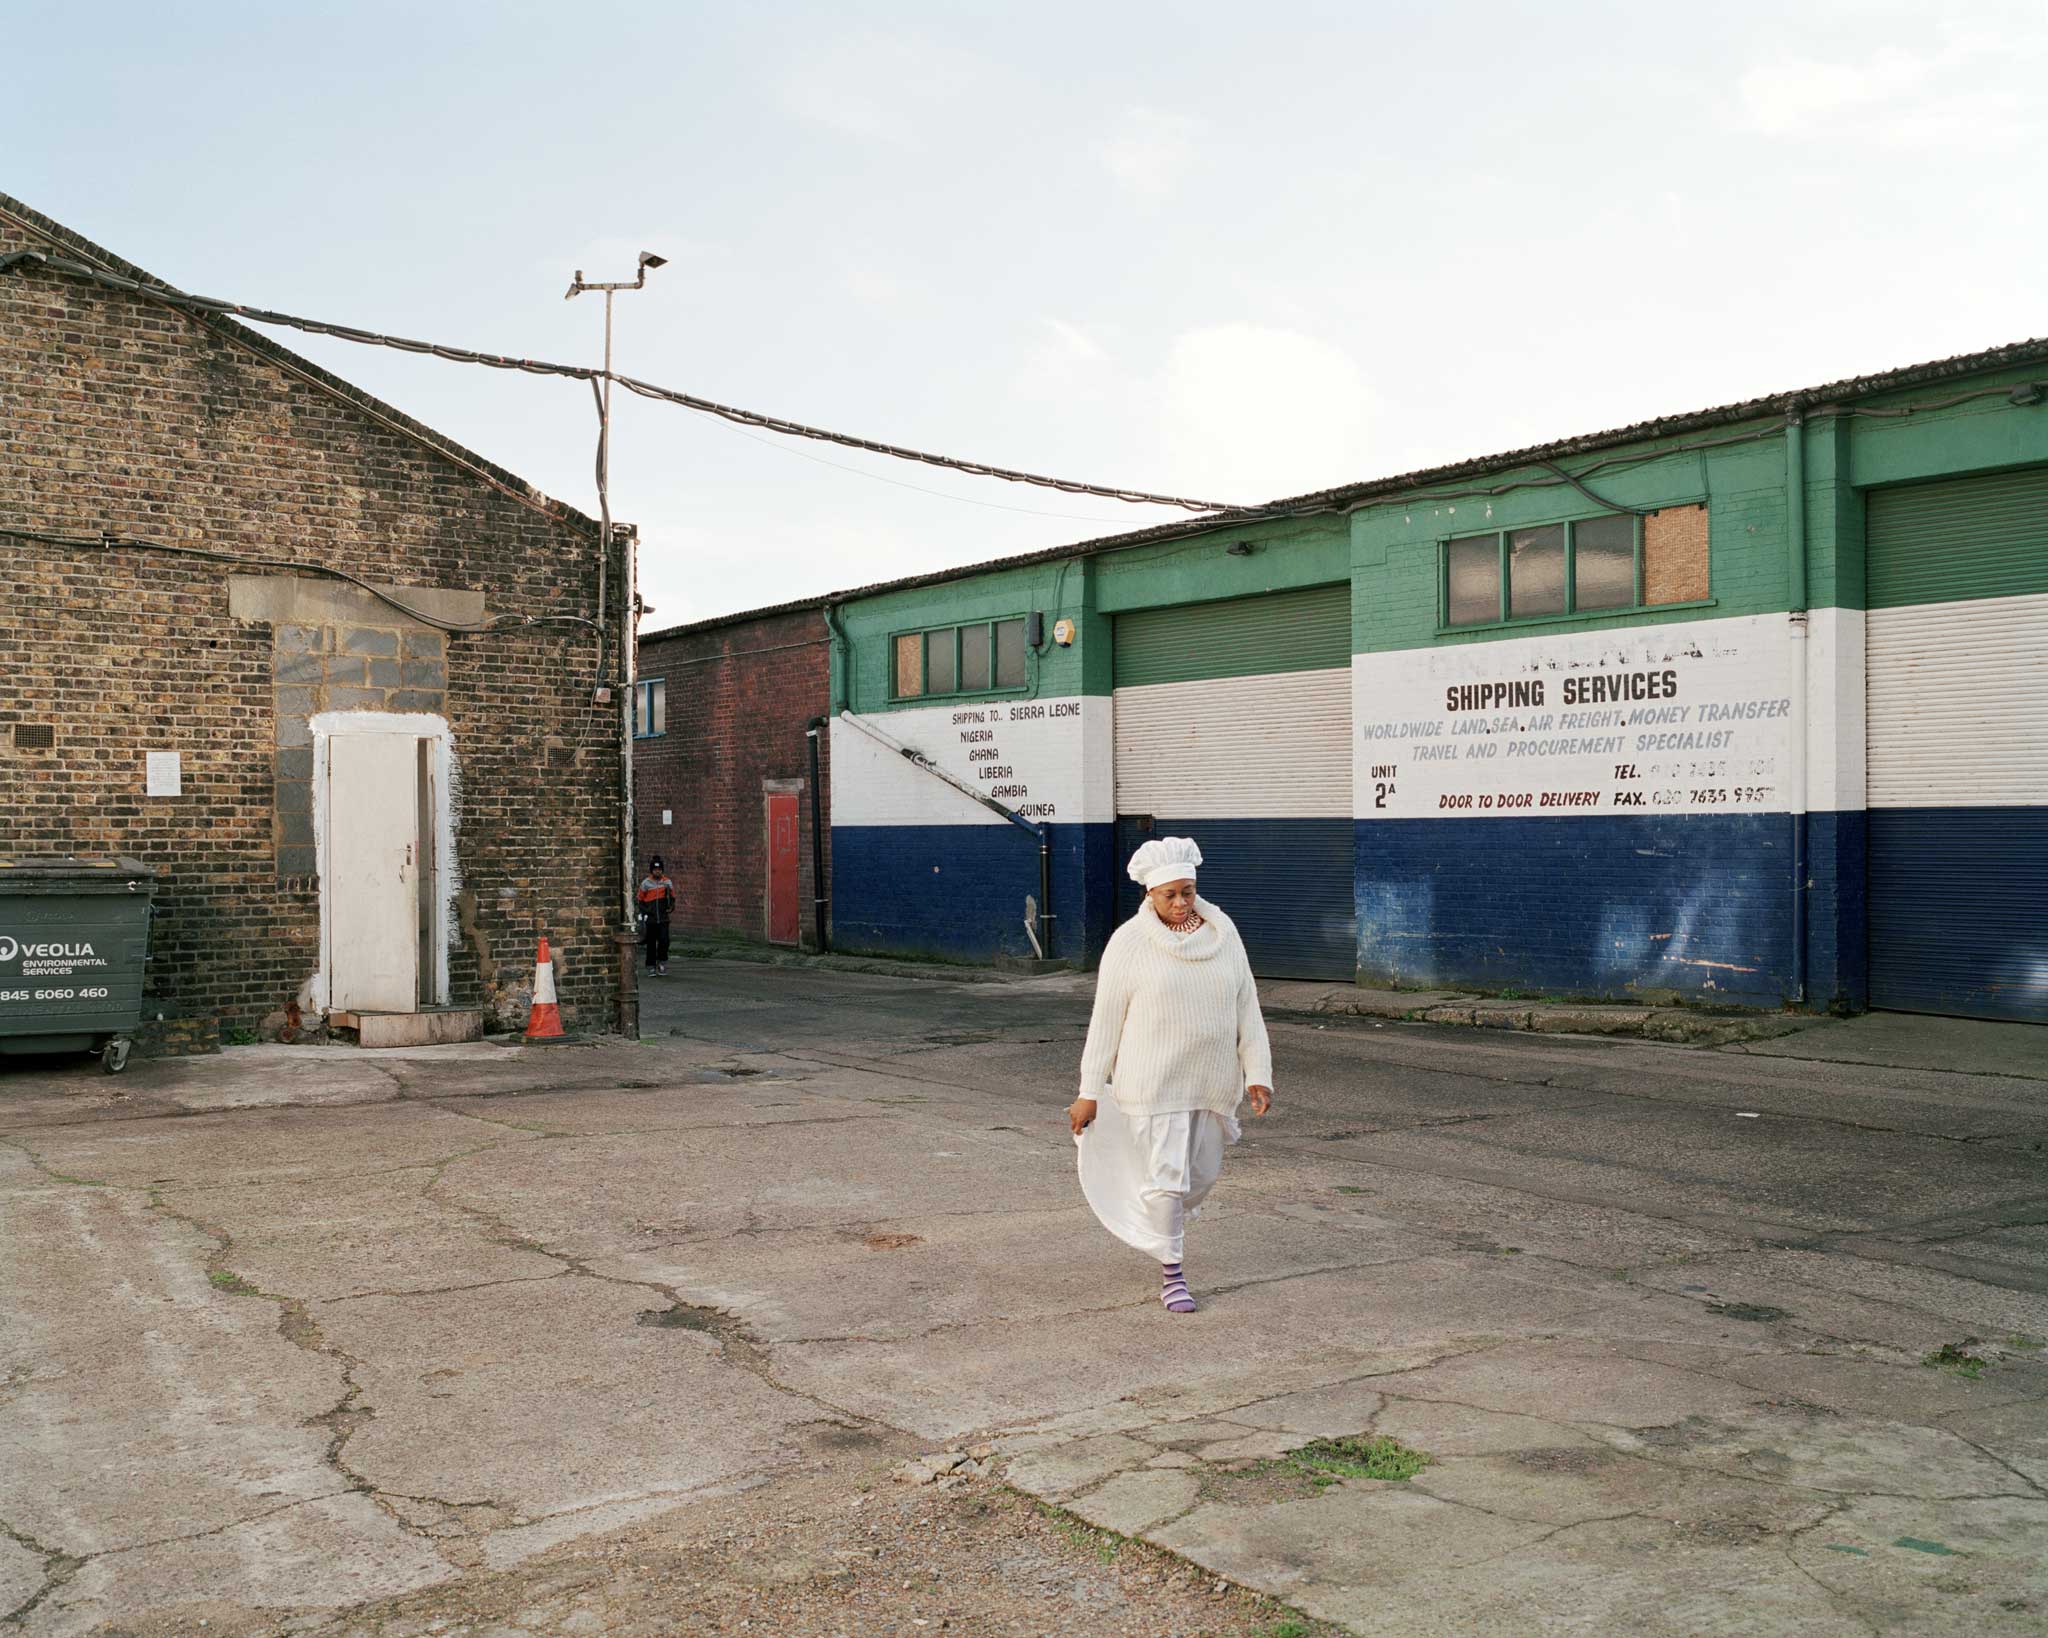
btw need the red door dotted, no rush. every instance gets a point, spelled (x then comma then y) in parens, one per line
(784, 915)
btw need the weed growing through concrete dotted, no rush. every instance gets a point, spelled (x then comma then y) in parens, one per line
(223, 1279)
(1957, 1358)
(1359, 1456)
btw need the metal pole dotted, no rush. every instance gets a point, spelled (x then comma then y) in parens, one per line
(629, 623)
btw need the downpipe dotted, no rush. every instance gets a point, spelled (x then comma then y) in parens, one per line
(820, 899)
(1798, 623)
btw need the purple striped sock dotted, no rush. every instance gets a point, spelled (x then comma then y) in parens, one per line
(1173, 1290)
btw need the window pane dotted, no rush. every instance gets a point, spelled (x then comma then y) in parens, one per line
(940, 674)
(1475, 579)
(909, 667)
(973, 657)
(1009, 654)
(640, 711)
(1536, 570)
(658, 694)
(1604, 563)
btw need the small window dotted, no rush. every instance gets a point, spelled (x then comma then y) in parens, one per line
(987, 656)
(1474, 579)
(1604, 563)
(1536, 571)
(650, 708)
(909, 667)
(1009, 654)
(1592, 566)
(974, 658)
(941, 661)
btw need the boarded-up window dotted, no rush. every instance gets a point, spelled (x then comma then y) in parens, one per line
(1675, 555)
(909, 667)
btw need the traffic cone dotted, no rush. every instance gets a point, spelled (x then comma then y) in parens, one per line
(544, 1022)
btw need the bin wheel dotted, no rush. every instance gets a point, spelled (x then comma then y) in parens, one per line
(115, 1058)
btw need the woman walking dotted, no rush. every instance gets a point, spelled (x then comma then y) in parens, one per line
(1175, 1042)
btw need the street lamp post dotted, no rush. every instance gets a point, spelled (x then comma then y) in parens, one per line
(629, 624)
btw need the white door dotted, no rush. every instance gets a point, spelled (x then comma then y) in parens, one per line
(372, 894)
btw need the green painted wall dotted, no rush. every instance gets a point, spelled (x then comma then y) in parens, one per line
(1396, 547)
(871, 624)
(1389, 550)
(1286, 553)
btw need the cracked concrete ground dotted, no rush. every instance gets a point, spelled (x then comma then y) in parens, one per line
(311, 1338)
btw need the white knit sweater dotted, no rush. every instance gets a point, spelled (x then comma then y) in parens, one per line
(1176, 1023)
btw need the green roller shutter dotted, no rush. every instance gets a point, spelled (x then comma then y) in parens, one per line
(1243, 637)
(1960, 538)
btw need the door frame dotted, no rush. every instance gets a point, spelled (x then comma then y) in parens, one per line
(441, 878)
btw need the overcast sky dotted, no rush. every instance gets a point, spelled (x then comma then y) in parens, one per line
(1215, 249)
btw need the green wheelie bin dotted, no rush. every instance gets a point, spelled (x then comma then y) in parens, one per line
(74, 934)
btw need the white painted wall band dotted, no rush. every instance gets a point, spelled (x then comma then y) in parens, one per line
(1049, 760)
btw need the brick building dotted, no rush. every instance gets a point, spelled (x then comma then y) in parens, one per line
(723, 766)
(374, 654)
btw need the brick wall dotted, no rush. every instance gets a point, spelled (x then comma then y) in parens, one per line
(117, 414)
(740, 695)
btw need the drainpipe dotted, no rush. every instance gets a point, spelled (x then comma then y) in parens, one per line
(812, 729)
(839, 669)
(627, 938)
(1795, 566)
(917, 759)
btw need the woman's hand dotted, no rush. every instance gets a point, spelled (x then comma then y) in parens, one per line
(1079, 1113)
(1262, 1098)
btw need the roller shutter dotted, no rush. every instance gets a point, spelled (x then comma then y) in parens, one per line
(1233, 726)
(1958, 785)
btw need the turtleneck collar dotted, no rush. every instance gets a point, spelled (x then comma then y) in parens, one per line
(1200, 945)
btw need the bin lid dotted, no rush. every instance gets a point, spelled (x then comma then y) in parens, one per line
(101, 872)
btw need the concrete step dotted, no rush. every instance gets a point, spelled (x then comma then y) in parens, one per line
(433, 1026)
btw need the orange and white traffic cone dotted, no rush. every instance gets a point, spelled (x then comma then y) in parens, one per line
(544, 1022)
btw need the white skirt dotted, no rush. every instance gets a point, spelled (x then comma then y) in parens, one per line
(1146, 1175)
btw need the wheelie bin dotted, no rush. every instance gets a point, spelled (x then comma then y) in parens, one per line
(74, 935)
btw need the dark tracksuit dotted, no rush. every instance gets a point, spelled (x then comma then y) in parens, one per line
(657, 900)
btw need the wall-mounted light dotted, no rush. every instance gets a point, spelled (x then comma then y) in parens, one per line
(1240, 548)
(2027, 394)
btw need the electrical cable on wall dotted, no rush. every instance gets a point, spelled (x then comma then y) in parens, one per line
(460, 628)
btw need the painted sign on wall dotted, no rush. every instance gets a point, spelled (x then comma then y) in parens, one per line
(1033, 756)
(1686, 718)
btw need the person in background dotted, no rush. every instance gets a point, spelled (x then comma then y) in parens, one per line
(1175, 1043)
(657, 902)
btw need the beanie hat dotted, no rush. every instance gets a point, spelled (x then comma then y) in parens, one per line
(1168, 859)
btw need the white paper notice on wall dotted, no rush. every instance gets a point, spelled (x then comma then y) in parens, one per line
(163, 773)
(668, 816)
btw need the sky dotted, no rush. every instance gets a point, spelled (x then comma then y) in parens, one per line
(1228, 251)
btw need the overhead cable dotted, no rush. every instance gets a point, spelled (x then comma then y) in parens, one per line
(464, 628)
(583, 372)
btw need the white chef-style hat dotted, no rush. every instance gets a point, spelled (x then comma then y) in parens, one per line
(1166, 859)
